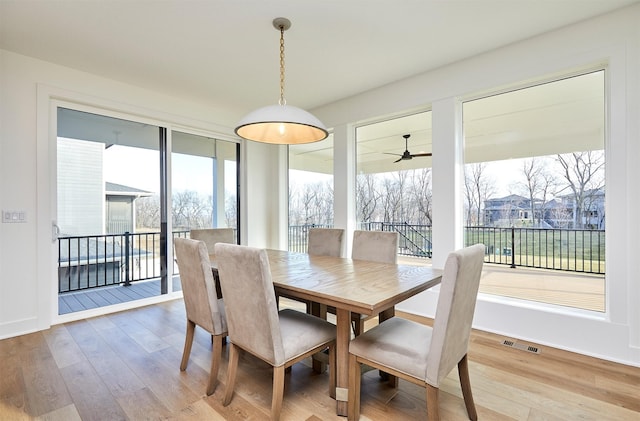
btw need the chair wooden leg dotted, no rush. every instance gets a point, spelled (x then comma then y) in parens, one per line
(232, 370)
(433, 409)
(465, 383)
(323, 312)
(332, 371)
(216, 355)
(355, 372)
(188, 341)
(278, 392)
(358, 326)
(318, 310)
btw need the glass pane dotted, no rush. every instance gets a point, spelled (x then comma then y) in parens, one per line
(107, 171)
(535, 189)
(393, 184)
(310, 190)
(204, 183)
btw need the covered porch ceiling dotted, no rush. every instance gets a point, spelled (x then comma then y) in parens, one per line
(547, 119)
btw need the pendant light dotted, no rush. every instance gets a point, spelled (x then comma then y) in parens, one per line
(281, 124)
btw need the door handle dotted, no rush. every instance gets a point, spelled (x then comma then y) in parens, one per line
(55, 231)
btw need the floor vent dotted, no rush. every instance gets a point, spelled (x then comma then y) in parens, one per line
(521, 347)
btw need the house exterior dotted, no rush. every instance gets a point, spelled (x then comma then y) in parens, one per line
(515, 211)
(508, 211)
(591, 216)
(120, 207)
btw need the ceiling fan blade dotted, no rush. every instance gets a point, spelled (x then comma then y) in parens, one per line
(421, 154)
(389, 153)
(397, 160)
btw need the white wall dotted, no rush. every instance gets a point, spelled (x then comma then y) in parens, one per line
(28, 87)
(611, 40)
(27, 289)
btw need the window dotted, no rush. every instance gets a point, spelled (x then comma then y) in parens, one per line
(310, 190)
(393, 184)
(204, 182)
(534, 183)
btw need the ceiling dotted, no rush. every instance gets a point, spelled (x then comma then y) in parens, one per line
(226, 52)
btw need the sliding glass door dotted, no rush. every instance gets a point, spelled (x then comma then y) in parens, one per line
(114, 215)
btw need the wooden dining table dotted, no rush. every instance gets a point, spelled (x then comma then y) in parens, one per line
(350, 286)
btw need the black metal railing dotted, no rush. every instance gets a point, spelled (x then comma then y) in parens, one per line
(299, 236)
(413, 239)
(558, 249)
(102, 260)
(572, 250)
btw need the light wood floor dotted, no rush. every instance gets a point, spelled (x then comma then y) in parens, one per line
(125, 366)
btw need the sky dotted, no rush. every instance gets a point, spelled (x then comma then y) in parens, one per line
(139, 168)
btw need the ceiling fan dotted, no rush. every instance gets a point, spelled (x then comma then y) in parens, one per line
(406, 155)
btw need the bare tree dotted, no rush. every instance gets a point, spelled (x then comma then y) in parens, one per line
(148, 212)
(584, 175)
(401, 181)
(538, 184)
(324, 203)
(391, 198)
(478, 188)
(311, 203)
(231, 211)
(307, 201)
(367, 197)
(190, 210)
(421, 196)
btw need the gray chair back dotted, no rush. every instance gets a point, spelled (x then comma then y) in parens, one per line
(250, 300)
(325, 242)
(211, 236)
(198, 287)
(454, 312)
(375, 246)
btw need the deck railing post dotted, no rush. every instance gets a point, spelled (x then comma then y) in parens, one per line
(127, 280)
(513, 248)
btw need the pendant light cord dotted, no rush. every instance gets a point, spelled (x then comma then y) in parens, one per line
(282, 100)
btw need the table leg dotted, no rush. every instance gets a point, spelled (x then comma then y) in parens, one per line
(343, 336)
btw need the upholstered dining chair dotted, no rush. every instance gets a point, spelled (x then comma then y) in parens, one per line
(325, 242)
(280, 338)
(211, 236)
(202, 305)
(374, 246)
(421, 354)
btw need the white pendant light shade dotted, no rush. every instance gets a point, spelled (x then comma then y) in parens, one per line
(281, 125)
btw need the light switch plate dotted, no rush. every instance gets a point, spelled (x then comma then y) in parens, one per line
(13, 217)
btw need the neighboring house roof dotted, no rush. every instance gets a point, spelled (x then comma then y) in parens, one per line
(510, 198)
(121, 190)
(587, 193)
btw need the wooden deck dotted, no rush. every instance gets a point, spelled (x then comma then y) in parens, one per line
(70, 302)
(570, 289)
(567, 289)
